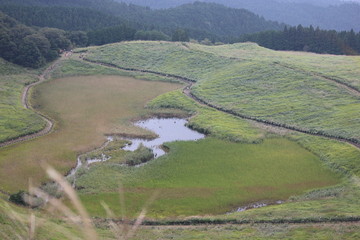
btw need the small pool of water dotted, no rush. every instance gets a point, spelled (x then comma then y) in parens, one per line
(168, 130)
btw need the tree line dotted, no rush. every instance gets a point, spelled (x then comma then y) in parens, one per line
(33, 46)
(30, 47)
(307, 39)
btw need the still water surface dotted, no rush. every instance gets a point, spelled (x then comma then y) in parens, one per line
(168, 130)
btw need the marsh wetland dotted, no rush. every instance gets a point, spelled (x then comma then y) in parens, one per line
(241, 163)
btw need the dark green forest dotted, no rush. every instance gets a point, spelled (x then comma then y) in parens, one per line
(66, 18)
(212, 18)
(307, 39)
(200, 20)
(31, 47)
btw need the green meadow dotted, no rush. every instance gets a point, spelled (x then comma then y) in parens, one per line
(210, 176)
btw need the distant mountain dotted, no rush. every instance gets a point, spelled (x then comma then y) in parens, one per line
(200, 20)
(327, 14)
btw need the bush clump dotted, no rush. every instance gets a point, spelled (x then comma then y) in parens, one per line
(141, 155)
(25, 199)
(18, 198)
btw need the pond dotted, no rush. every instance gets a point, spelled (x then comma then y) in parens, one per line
(168, 130)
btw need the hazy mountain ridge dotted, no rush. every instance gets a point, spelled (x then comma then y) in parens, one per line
(317, 13)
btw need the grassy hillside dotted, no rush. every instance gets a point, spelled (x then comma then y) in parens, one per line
(15, 120)
(344, 68)
(285, 88)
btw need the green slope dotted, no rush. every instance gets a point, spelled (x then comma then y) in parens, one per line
(304, 91)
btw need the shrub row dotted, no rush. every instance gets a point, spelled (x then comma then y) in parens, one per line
(199, 221)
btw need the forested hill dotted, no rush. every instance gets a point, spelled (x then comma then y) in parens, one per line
(107, 6)
(213, 18)
(201, 20)
(292, 12)
(67, 18)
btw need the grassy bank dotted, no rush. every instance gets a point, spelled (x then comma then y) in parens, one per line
(16, 221)
(261, 231)
(15, 120)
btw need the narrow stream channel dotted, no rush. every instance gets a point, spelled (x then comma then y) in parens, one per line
(167, 129)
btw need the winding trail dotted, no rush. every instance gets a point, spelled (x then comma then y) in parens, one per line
(25, 102)
(187, 92)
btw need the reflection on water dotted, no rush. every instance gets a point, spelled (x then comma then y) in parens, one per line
(168, 130)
